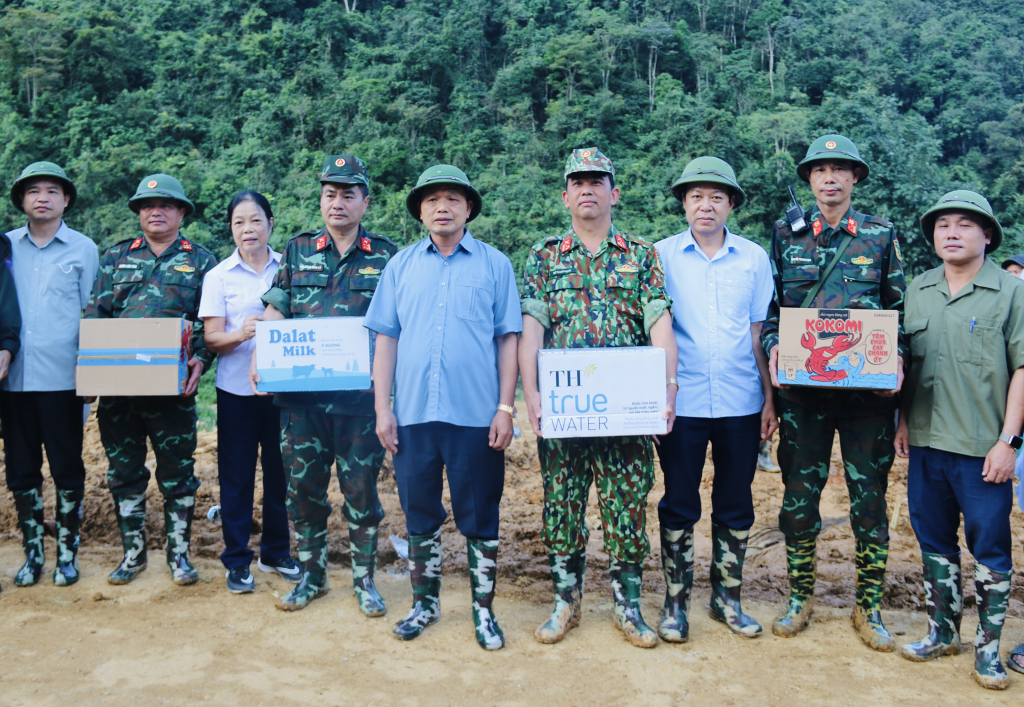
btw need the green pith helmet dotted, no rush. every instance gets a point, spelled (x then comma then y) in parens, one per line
(443, 174)
(709, 170)
(588, 159)
(344, 169)
(966, 201)
(160, 185)
(42, 169)
(832, 147)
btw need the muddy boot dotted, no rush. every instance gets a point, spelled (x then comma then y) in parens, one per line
(944, 596)
(131, 520)
(69, 524)
(425, 575)
(801, 564)
(29, 507)
(314, 584)
(993, 590)
(363, 544)
(567, 574)
(677, 563)
(728, 550)
(866, 617)
(626, 589)
(483, 569)
(178, 514)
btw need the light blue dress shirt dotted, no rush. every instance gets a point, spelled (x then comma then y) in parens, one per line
(715, 300)
(53, 283)
(446, 314)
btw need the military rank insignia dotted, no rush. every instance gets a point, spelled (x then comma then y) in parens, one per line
(816, 227)
(369, 271)
(896, 247)
(321, 242)
(851, 226)
(566, 244)
(137, 243)
(364, 243)
(620, 241)
(185, 245)
(627, 268)
(184, 268)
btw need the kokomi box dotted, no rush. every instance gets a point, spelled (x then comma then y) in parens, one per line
(602, 392)
(315, 354)
(838, 348)
(133, 356)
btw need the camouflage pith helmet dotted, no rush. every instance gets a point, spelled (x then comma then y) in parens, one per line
(709, 170)
(832, 147)
(588, 159)
(42, 169)
(443, 174)
(963, 201)
(344, 169)
(156, 186)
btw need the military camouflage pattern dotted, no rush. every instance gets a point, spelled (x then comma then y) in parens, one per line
(623, 470)
(482, 556)
(69, 525)
(728, 550)
(130, 510)
(627, 583)
(567, 573)
(132, 282)
(870, 562)
(944, 597)
(612, 298)
(178, 514)
(344, 169)
(993, 590)
(29, 507)
(425, 575)
(362, 542)
(871, 630)
(313, 585)
(677, 563)
(587, 159)
(801, 566)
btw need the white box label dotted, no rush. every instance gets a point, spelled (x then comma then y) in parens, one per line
(323, 353)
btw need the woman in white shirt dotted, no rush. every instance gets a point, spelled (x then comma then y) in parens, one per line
(246, 423)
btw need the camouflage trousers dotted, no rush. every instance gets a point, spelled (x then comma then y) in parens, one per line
(169, 423)
(623, 470)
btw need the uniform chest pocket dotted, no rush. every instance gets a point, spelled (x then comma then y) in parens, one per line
(309, 278)
(365, 285)
(917, 332)
(623, 292)
(734, 299)
(125, 283)
(564, 296)
(474, 300)
(983, 345)
(799, 273)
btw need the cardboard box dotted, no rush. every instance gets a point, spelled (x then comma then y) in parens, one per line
(317, 354)
(838, 348)
(133, 356)
(602, 392)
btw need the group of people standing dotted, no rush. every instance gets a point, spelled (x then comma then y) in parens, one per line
(452, 335)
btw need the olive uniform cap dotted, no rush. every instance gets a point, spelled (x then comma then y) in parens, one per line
(709, 170)
(966, 201)
(42, 169)
(443, 174)
(156, 186)
(832, 147)
(344, 169)
(588, 159)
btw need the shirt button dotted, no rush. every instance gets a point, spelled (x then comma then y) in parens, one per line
(437, 351)
(442, 284)
(440, 304)
(435, 375)
(940, 358)
(439, 328)
(446, 264)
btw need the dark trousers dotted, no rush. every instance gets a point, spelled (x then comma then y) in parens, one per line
(942, 485)
(734, 444)
(34, 421)
(247, 424)
(476, 478)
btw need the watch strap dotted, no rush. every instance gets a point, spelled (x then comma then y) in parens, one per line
(507, 408)
(1014, 441)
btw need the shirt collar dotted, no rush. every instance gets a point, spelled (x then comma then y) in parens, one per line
(468, 243)
(688, 241)
(62, 234)
(615, 238)
(844, 223)
(235, 260)
(987, 277)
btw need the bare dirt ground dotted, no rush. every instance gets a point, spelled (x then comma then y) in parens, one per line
(154, 643)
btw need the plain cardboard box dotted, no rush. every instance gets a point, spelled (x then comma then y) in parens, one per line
(133, 356)
(316, 354)
(838, 348)
(602, 392)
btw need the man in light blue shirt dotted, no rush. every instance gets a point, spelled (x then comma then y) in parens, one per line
(722, 285)
(448, 317)
(54, 268)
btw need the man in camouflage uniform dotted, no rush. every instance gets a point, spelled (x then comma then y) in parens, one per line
(157, 274)
(867, 275)
(332, 272)
(594, 286)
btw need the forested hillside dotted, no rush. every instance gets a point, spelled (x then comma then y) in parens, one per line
(252, 94)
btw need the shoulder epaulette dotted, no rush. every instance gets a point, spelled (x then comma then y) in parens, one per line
(633, 238)
(304, 233)
(878, 220)
(381, 238)
(545, 242)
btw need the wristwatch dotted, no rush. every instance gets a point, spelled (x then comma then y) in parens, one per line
(507, 408)
(1014, 441)
(672, 381)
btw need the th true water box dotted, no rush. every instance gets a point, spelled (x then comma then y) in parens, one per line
(322, 353)
(602, 392)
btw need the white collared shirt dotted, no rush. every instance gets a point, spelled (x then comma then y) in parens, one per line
(232, 290)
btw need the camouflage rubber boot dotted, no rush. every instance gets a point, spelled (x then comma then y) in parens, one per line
(567, 574)
(866, 617)
(677, 563)
(131, 520)
(993, 590)
(483, 570)
(313, 584)
(69, 525)
(626, 588)
(363, 544)
(425, 575)
(178, 514)
(29, 507)
(801, 564)
(944, 596)
(728, 550)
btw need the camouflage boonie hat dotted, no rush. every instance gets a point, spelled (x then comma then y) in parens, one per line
(42, 169)
(156, 186)
(344, 169)
(709, 170)
(966, 201)
(443, 174)
(832, 147)
(588, 159)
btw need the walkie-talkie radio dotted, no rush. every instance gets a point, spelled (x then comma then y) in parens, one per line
(795, 214)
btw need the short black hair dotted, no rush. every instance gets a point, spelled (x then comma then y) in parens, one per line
(363, 189)
(611, 177)
(253, 196)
